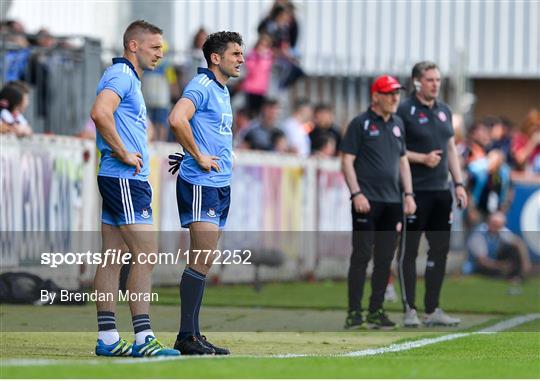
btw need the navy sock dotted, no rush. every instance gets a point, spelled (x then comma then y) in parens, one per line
(196, 316)
(106, 321)
(141, 323)
(191, 288)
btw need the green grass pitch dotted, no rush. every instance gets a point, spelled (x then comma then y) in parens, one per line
(296, 318)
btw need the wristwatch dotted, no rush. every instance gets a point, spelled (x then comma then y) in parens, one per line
(353, 195)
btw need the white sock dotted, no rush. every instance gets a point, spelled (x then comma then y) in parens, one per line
(140, 337)
(108, 337)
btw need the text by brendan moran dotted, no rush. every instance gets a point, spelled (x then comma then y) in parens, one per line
(72, 296)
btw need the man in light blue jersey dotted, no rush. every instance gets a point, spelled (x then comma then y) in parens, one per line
(202, 123)
(119, 113)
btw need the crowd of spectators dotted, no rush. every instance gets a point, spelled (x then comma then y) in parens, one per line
(28, 59)
(495, 149)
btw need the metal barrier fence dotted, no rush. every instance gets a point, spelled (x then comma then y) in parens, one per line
(63, 81)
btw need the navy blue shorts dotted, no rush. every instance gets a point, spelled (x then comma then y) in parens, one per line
(125, 201)
(201, 203)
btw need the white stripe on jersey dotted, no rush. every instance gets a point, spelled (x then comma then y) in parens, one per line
(207, 82)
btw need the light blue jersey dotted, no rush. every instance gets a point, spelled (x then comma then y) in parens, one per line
(212, 129)
(129, 118)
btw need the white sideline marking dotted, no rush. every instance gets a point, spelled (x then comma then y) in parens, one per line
(501, 326)
(406, 345)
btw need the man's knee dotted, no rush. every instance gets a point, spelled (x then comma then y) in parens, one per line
(383, 259)
(143, 266)
(108, 268)
(361, 254)
(438, 240)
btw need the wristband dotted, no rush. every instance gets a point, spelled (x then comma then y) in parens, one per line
(409, 194)
(353, 195)
(459, 185)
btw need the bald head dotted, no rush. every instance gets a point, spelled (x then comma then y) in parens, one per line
(496, 221)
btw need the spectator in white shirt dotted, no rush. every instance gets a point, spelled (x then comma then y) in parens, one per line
(297, 128)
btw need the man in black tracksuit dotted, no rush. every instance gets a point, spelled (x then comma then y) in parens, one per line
(373, 160)
(432, 152)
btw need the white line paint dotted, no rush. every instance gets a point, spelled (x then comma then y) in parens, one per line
(502, 326)
(509, 324)
(405, 346)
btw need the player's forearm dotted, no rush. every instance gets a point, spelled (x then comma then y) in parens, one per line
(105, 125)
(405, 174)
(184, 135)
(453, 162)
(347, 168)
(416, 157)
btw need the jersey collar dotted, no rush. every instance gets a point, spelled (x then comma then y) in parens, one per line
(420, 104)
(208, 72)
(373, 116)
(124, 60)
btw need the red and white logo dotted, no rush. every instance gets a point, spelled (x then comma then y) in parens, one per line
(422, 118)
(373, 130)
(442, 116)
(396, 131)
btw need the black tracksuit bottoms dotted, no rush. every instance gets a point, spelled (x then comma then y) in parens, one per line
(434, 217)
(373, 233)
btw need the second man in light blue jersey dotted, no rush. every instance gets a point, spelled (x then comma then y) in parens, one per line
(202, 123)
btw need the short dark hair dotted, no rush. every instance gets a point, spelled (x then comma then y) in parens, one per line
(490, 121)
(276, 11)
(422, 66)
(506, 122)
(276, 135)
(476, 125)
(217, 43)
(22, 86)
(10, 97)
(138, 26)
(322, 107)
(299, 103)
(270, 102)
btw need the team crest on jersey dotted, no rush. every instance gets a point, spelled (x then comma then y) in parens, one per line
(442, 116)
(145, 214)
(396, 131)
(422, 118)
(373, 130)
(225, 128)
(211, 213)
(141, 116)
